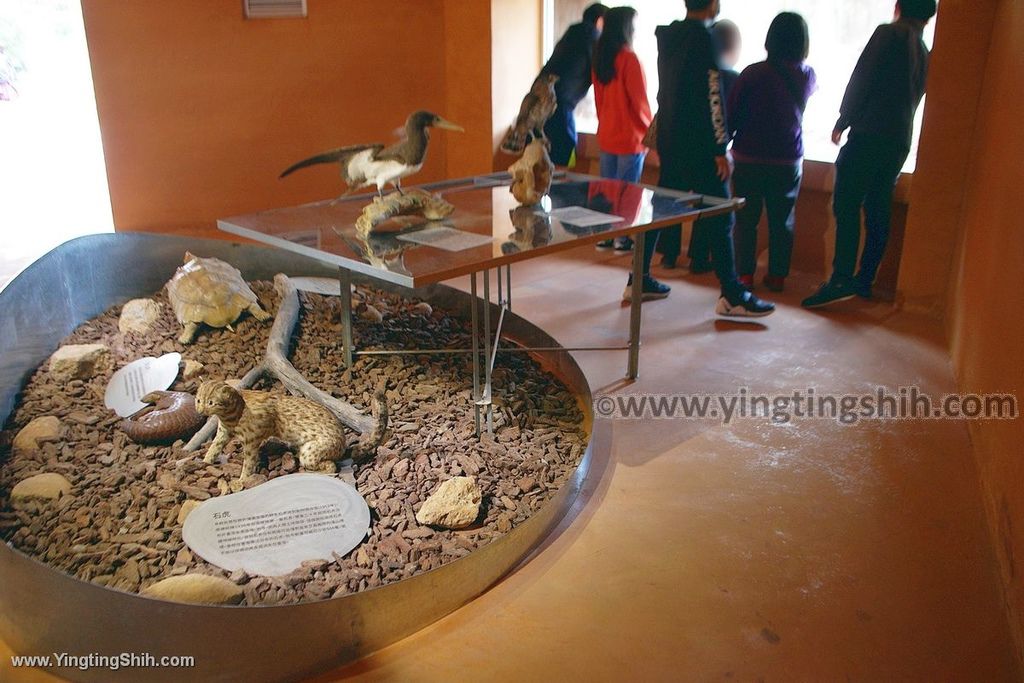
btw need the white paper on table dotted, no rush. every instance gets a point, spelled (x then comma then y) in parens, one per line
(584, 217)
(129, 384)
(446, 238)
(273, 528)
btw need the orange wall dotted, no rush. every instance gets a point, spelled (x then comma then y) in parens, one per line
(943, 162)
(200, 109)
(467, 38)
(985, 324)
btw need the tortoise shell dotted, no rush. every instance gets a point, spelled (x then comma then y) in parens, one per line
(209, 291)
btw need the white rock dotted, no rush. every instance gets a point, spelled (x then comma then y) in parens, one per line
(186, 508)
(196, 588)
(49, 485)
(40, 429)
(79, 361)
(138, 315)
(454, 505)
(372, 314)
(193, 368)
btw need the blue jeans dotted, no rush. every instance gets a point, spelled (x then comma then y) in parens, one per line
(627, 167)
(561, 132)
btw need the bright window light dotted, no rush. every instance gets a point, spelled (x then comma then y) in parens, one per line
(839, 32)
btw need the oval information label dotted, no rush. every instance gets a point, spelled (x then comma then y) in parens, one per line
(272, 529)
(129, 384)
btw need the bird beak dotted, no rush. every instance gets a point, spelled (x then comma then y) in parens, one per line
(448, 125)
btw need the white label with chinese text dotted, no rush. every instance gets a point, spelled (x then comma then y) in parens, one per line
(273, 528)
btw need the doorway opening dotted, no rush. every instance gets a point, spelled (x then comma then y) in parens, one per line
(53, 182)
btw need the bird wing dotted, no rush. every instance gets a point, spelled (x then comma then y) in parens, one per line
(526, 110)
(392, 152)
(341, 155)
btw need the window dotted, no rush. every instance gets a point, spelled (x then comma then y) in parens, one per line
(839, 32)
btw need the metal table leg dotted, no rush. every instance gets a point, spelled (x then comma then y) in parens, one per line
(345, 282)
(633, 369)
(508, 286)
(475, 358)
(486, 398)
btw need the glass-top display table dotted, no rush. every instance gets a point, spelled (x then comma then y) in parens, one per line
(488, 230)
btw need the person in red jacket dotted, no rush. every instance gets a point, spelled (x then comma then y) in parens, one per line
(623, 113)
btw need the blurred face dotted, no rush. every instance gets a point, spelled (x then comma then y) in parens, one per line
(731, 57)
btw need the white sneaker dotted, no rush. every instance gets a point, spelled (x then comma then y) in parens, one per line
(748, 307)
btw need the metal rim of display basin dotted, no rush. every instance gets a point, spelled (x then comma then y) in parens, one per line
(44, 610)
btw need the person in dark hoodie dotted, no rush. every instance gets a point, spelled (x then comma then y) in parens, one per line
(879, 107)
(729, 42)
(571, 62)
(692, 139)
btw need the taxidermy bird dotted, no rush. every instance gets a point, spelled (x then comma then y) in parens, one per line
(537, 107)
(376, 164)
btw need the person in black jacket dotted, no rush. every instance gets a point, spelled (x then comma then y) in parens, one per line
(729, 42)
(879, 107)
(692, 139)
(571, 62)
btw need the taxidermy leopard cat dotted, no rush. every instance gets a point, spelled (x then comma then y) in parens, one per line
(255, 416)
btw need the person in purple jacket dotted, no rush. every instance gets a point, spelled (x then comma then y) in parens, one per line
(765, 111)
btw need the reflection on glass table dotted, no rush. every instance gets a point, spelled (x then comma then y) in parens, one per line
(579, 210)
(487, 230)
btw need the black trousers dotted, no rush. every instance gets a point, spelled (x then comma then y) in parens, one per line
(561, 132)
(773, 188)
(700, 176)
(866, 174)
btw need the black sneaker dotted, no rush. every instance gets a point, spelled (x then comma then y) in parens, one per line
(605, 245)
(652, 289)
(668, 262)
(830, 293)
(623, 244)
(863, 291)
(746, 306)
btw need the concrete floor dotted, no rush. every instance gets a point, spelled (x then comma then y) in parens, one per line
(702, 552)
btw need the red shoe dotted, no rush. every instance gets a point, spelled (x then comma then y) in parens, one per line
(747, 281)
(774, 283)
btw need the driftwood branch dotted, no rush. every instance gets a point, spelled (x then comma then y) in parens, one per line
(276, 364)
(414, 202)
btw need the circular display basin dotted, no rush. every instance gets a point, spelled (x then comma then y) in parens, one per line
(44, 611)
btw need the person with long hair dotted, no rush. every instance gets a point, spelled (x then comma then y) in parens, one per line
(766, 111)
(623, 114)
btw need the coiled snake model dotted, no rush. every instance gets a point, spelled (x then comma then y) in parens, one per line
(171, 416)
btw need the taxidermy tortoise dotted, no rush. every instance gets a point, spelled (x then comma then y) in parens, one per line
(211, 292)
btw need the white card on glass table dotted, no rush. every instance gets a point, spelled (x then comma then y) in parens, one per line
(129, 384)
(584, 217)
(273, 528)
(446, 238)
